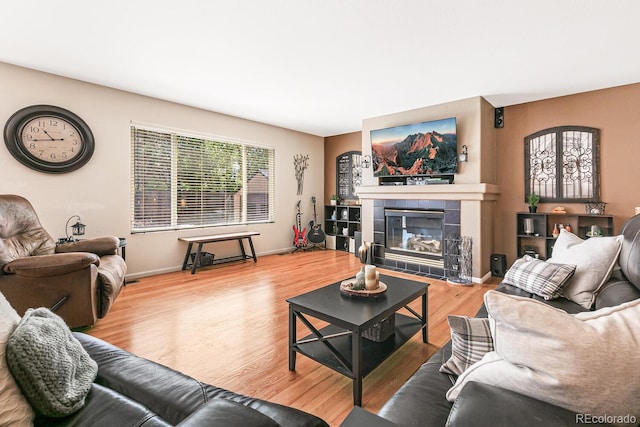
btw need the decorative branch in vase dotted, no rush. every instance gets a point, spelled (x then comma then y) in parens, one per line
(301, 163)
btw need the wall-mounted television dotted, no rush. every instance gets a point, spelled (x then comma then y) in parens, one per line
(426, 148)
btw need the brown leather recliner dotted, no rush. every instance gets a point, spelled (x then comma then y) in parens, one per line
(77, 280)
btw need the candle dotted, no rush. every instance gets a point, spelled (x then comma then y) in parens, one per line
(371, 277)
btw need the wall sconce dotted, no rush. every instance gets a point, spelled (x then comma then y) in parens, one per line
(463, 156)
(366, 161)
(77, 229)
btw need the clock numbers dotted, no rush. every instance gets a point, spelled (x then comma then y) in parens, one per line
(51, 139)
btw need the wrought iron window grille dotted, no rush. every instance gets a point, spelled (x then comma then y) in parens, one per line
(562, 164)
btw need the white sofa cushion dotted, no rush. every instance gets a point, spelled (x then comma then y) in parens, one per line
(594, 260)
(579, 362)
(14, 409)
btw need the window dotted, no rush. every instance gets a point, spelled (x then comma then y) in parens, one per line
(563, 164)
(348, 174)
(186, 181)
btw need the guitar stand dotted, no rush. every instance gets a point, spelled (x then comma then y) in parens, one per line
(304, 248)
(321, 246)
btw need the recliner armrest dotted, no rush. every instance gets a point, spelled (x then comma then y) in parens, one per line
(99, 246)
(51, 265)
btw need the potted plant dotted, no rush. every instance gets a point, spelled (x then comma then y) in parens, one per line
(335, 199)
(533, 201)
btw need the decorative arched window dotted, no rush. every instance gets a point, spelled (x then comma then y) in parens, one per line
(562, 164)
(348, 174)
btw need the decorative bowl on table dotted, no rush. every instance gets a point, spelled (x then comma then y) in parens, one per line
(347, 288)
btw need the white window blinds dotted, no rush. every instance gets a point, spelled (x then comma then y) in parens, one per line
(184, 181)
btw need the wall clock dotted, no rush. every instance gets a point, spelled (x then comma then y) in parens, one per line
(49, 139)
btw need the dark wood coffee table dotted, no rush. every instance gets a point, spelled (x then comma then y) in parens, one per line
(340, 345)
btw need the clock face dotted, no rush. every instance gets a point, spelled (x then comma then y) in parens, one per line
(51, 139)
(48, 139)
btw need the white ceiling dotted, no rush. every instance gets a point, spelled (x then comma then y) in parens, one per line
(321, 66)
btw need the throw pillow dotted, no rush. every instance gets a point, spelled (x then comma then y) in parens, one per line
(470, 341)
(576, 362)
(538, 277)
(51, 367)
(594, 259)
(14, 408)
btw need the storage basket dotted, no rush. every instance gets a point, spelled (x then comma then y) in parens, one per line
(381, 331)
(595, 208)
(206, 258)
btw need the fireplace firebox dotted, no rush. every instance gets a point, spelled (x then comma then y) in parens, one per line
(404, 257)
(414, 233)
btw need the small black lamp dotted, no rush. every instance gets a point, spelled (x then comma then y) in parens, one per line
(77, 229)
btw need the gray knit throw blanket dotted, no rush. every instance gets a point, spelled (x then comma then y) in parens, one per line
(51, 367)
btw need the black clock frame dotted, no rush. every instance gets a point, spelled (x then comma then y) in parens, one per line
(13, 139)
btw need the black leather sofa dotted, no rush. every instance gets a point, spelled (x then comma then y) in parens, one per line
(132, 391)
(421, 400)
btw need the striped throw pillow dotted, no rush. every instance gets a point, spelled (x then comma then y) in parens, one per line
(538, 277)
(470, 340)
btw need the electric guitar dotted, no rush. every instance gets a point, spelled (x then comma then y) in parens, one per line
(300, 239)
(316, 235)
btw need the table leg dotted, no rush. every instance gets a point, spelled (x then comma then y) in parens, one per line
(186, 257)
(292, 339)
(253, 251)
(196, 260)
(356, 363)
(244, 254)
(425, 313)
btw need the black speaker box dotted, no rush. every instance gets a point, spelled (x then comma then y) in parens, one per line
(498, 265)
(499, 117)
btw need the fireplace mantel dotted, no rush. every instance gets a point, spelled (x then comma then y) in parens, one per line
(478, 192)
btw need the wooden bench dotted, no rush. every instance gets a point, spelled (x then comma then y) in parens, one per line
(201, 240)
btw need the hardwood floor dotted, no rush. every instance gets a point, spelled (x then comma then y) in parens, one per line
(227, 326)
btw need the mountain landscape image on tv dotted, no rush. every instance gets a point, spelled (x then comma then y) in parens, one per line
(427, 148)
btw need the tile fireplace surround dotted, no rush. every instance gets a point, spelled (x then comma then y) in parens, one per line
(451, 209)
(469, 210)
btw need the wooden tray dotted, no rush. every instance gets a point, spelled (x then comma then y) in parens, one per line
(346, 287)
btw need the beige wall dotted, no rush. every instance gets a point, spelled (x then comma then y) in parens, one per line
(474, 121)
(615, 111)
(471, 128)
(99, 191)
